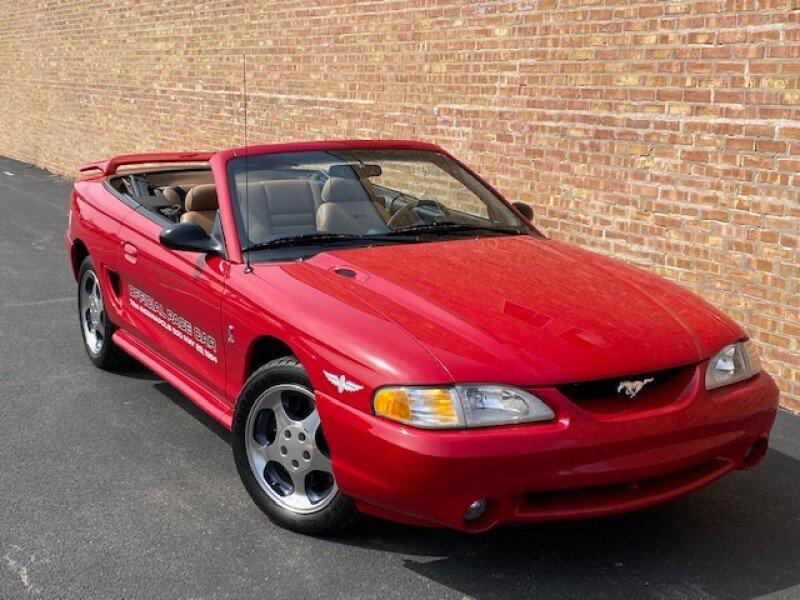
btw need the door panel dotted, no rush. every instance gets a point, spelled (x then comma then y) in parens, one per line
(172, 301)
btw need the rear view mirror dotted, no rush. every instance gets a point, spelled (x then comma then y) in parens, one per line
(189, 237)
(524, 209)
(369, 170)
(362, 171)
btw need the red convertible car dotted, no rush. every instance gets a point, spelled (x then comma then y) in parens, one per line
(385, 334)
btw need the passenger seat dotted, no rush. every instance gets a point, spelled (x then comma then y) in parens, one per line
(201, 206)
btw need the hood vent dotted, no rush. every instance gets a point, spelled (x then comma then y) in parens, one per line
(349, 272)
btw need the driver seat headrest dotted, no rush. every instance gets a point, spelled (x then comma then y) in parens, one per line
(202, 197)
(340, 189)
(347, 208)
(201, 207)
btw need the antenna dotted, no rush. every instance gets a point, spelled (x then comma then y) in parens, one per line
(247, 267)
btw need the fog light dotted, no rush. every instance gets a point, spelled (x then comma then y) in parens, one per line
(755, 454)
(475, 510)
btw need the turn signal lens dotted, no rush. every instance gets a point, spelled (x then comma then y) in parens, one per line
(421, 407)
(393, 404)
(460, 406)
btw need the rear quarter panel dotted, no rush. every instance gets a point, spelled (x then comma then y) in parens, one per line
(96, 217)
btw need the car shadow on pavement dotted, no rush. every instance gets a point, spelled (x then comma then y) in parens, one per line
(737, 539)
(136, 370)
(192, 409)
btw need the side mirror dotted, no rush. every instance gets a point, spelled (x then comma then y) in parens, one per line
(190, 237)
(525, 209)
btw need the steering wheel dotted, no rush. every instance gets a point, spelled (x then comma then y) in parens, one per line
(409, 215)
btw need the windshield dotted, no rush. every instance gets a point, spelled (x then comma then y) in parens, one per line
(337, 196)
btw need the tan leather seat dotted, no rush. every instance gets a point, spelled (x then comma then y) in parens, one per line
(201, 206)
(280, 207)
(175, 195)
(347, 208)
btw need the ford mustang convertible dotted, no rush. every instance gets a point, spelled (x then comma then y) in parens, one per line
(384, 333)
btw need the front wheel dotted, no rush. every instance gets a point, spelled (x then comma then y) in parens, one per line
(281, 453)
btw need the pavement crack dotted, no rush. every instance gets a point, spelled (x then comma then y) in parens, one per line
(18, 561)
(39, 302)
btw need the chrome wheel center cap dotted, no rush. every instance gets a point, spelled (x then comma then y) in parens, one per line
(296, 447)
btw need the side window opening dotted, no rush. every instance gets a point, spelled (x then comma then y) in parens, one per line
(163, 201)
(162, 193)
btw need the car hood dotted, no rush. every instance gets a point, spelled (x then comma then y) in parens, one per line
(526, 310)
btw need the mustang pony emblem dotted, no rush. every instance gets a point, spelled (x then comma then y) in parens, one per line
(632, 388)
(342, 383)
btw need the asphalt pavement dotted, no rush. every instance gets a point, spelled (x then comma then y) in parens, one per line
(112, 485)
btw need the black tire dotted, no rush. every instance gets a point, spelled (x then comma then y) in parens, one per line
(108, 356)
(339, 513)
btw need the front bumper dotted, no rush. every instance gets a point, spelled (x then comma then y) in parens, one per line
(580, 465)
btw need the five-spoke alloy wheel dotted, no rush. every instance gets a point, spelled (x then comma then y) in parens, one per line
(287, 451)
(281, 453)
(92, 312)
(96, 327)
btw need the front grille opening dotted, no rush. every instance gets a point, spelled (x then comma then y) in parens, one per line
(638, 392)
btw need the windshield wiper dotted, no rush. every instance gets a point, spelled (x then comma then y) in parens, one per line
(406, 233)
(314, 239)
(452, 227)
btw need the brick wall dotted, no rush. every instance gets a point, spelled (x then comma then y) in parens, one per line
(664, 133)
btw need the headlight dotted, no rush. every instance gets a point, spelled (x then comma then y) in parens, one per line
(732, 364)
(459, 406)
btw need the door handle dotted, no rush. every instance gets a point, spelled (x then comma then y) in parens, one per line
(131, 253)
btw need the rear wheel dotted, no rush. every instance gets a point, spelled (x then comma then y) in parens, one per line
(281, 453)
(96, 329)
